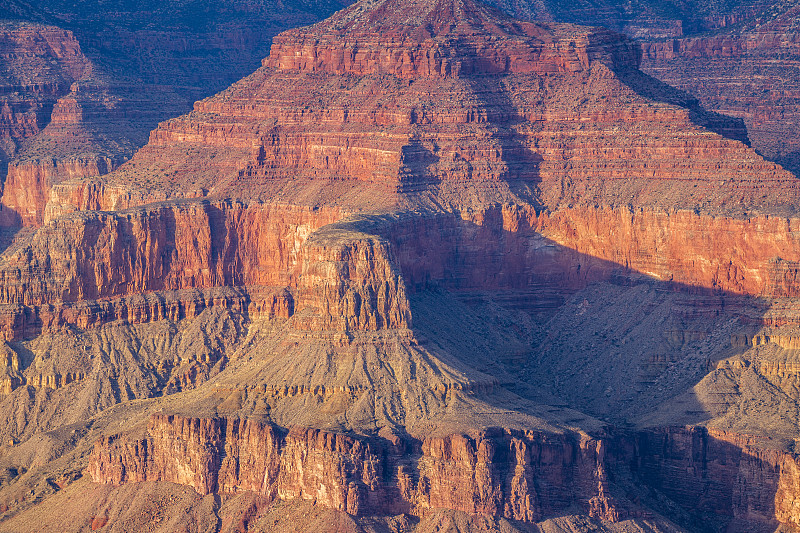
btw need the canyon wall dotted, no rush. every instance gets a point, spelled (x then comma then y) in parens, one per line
(40, 64)
(410, 109)
(747, 72)
(522, 476)
(350, 283)
(514, 247)
(162, 247)
(28, 183)
(504, 157)
(382, 46)
(353, 275)
(413, 142)
(721, 472)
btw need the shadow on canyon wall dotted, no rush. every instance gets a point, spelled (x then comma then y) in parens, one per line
(649, 87)
(563, 328)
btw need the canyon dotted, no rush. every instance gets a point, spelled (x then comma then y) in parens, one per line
(427, 268)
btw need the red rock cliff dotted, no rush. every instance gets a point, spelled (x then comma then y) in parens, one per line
(378, 124)
(721, 472)
(40, 63)
(746, 71)
(27, 187)
(522, 476)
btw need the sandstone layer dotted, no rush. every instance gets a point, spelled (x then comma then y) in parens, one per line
(40, 63)
(82, 109)
(519, 476)
(494, 473)
(389, 141)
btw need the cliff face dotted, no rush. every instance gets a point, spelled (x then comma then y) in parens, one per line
(513, 247)
(721, 472)
(163, 247)
(375, 275)
(350, 280)
(62, 120)
(27, 186)
(495, 473)
(351, 286)
(487, 42)
(40, 62)
(347, 279)
(88, 109)
(550, 115)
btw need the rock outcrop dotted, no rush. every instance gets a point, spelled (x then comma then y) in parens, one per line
(87, 109)
(522, 476)
(497, 473)
(721, 472)
(389, 131)
(429, 45)
(40, 63)
(28, 183)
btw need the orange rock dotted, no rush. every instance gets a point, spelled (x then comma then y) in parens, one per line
(495, 473)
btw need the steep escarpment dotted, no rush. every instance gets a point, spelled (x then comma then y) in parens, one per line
(172, 246)
(555, 115)
(82, 109)
(721, 472)
(40, 63)
(351, 269)
(515, 247)
(520, 476)
(63, 119)
(28, 183)
(495, 473)
(387, 41)
(315, 360)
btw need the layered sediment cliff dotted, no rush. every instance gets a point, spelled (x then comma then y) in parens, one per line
(721, 472)
(384, 240)
(354, 274)
(391, 129)
(522, 476)
(386, 42)
(745, 71)
(28, 183)
(40, 62)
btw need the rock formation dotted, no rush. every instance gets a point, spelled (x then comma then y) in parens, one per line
(40, 63)
(83, 109)
(523, 476)
(743, 71)
(427, 263)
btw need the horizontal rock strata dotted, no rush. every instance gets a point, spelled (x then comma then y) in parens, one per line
(522, 476)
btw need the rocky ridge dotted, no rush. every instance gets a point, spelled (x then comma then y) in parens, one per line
(91, 105)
